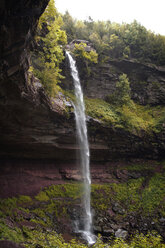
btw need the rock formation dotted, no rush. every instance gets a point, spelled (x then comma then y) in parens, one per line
(34, 127)
(37, 139)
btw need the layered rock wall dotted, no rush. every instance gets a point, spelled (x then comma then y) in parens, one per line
(147, 81)
(34, 128)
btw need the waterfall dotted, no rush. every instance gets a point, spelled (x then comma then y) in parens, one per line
(79, 110)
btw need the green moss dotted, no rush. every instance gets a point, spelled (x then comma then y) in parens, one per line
(23, 201)
(128, 194)
(8, 205)
(131, 195)
(46, 239)
(39, 212)
(42, 196)
(145, 166)
(153, 195)
(7, 233)
(101, 196)
(72, 190)
(156, 86)
(133, 118)
(158, 114)
(39, 222)
(136, 117)
(101, 110)
(151, 240)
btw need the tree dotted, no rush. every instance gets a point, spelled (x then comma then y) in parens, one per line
(69, 25)
(122, 94)
(113, 40)
(81, 52)
(49, 53)
(116, 46)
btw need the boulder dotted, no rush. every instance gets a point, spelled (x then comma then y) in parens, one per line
(88, 47)
(120, 233)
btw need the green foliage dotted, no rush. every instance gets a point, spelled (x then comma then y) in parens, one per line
(121, 95)
(8, 205)
(101, 196)
(131, 195)
(46, 239)
(101, 110)
(67, 190)
(52, 203)
(136, 118)
(49, 78)
(128, 195)
(131, 116)
(69, 26)
(7, 233)
(80, 51)
(42, 196)
(113, 40)
(121, 112)
(24, 199)
(48, 54)
(154, 193)
(145, 166)
(159, 116)
(151, 240)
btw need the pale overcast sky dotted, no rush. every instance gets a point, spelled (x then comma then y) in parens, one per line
(150, 13)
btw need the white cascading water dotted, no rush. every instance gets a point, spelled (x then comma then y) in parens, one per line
(79, 110)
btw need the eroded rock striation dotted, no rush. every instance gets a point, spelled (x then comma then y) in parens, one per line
(35, 128)
(37, 137)
(147, 80)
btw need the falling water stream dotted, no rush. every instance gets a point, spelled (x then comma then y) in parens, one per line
(79, 110)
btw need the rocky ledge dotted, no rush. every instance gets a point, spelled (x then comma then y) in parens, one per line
(147, 81)
(34, 127)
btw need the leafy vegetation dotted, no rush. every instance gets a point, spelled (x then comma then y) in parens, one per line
(120, 111)
(79, 51)
(132, 117)
(34, 222)
(122, 94)
(131, 195)
(154, 194)
(48, 53)
(45, 238)
(113, 40)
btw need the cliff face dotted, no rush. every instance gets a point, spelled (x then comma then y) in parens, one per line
(34, 128)
(147, 81)
(147, 88)
(18, 23)
(38, 144)
(28, 119)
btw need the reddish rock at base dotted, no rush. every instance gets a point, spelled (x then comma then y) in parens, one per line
(9, 244)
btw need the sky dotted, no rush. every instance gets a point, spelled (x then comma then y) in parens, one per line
(150, 13)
